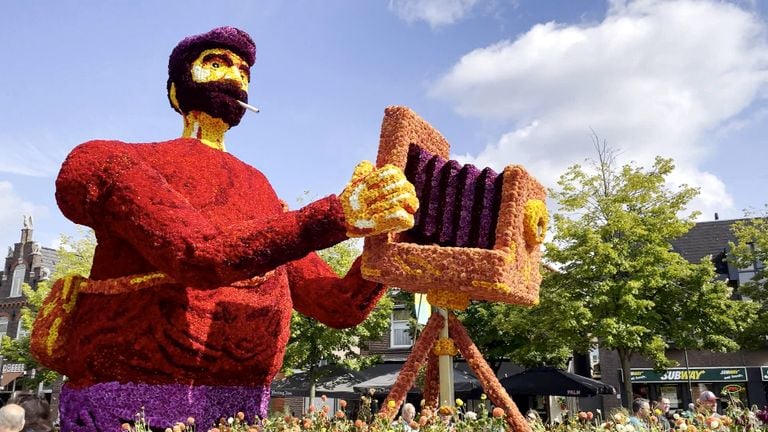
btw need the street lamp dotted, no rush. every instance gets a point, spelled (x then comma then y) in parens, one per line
(688, 373)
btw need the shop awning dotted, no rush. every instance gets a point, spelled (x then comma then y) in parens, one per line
(554, 382)
(335, 381)
(463, 382)
(8, 378)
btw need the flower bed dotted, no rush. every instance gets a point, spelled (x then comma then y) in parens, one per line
(486, 419)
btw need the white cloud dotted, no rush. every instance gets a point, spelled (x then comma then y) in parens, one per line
(653, 78)
(435, 12)
(12, 209)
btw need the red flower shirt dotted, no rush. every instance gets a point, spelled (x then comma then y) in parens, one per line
(211, 223)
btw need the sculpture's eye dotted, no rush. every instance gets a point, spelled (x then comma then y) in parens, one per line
(215, 65)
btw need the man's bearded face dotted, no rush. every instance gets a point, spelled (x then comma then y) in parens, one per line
(219, 79)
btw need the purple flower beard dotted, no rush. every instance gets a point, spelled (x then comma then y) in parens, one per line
(217, 99)
(104, 407)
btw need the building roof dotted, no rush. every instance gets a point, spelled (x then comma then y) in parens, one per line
(705, 238)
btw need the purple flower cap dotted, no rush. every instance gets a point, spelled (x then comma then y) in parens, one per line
(221, 37)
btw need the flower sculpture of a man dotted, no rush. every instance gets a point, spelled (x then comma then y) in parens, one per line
(198, 264)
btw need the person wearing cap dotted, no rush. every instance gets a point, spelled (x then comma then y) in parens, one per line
(708, 403)
(199, 264)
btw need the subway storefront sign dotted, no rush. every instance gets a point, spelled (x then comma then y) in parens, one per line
(708, 374)
(764, 372)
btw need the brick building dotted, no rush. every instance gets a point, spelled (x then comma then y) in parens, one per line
(27, 262)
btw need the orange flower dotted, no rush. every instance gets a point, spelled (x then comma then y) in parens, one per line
(190, 421)
(359, 424)
(288, 418)
(426, 412)
(339, 414)
(590, 416)
(692, 428)
(311, 408)
(125, 427)
(582, 415)
(423, 420)
(498, 412)
(215, 430)
(413, 425)
(307, 424)
(342, 403)
(240, 415)
(326, 409)
(485, 375)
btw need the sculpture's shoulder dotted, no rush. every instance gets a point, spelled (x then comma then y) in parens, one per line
(113, 147)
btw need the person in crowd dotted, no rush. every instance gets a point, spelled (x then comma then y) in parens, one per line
(707, 404)
(532, 416)
(641, 414)
(11, 418)
(661, 411)
(37, 412)
(407, 415)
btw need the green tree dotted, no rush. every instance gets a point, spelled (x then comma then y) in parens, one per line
(311, 342)
(75, 257)
(619, 277)
(536, 336)
(751, 252)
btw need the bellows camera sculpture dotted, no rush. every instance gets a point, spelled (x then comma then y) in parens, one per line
(477, 236)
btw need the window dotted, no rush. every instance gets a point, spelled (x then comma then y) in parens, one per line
(21, 331)
(18, 280)
(400, 336)
(3, 325)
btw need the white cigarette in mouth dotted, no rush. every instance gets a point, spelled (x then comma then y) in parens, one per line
(249, 107)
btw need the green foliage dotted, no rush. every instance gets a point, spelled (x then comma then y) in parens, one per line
(75, 256)
(515, 338)
(618, 274)
(751, 251)
(311, 342)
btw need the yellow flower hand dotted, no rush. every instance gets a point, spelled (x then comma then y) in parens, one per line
(378, 201)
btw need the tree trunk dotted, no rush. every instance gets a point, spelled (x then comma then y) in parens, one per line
(624, 357)
(312, 392)
(312, 384)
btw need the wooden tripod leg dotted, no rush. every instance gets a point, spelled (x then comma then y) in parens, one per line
(432, 382)
(485, 374)
(410, 369)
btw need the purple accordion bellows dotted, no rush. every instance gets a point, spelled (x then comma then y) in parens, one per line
(105, 406)
(459, 205)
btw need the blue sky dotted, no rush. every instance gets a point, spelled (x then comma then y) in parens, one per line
(505, 81)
